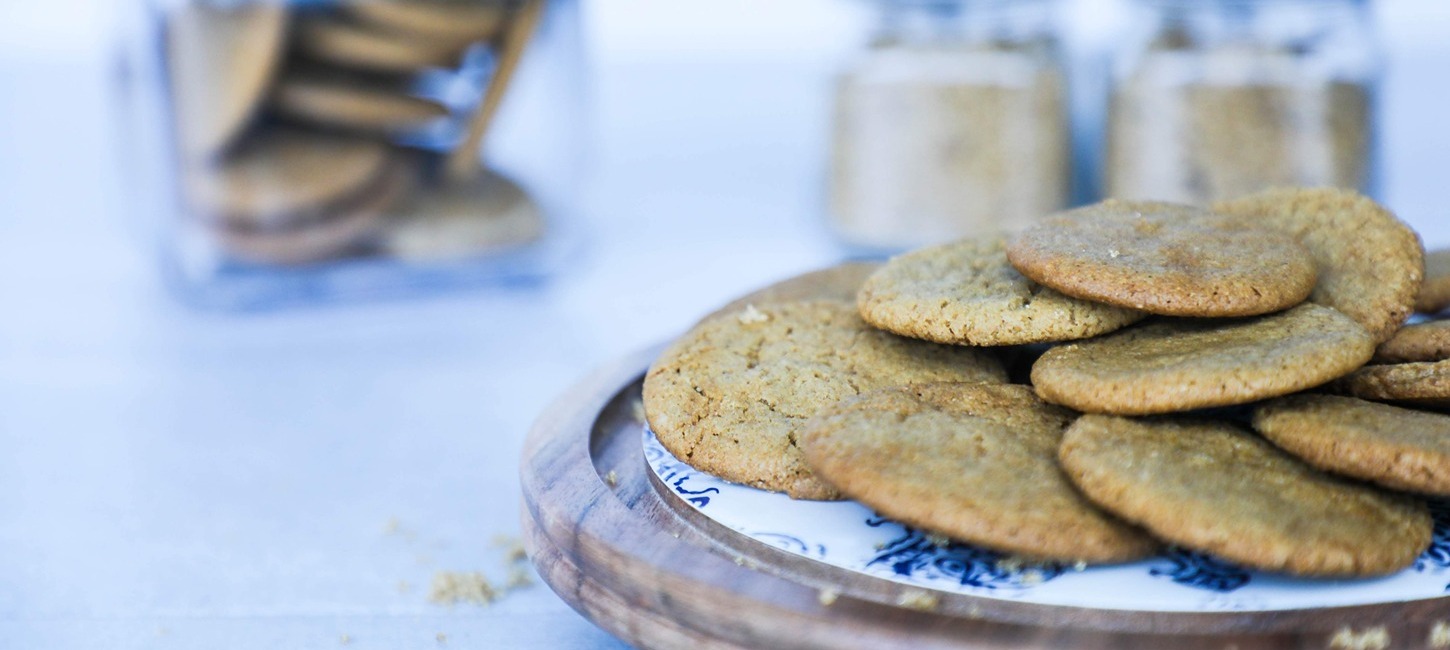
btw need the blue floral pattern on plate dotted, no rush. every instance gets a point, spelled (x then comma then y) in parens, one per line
(850, 536)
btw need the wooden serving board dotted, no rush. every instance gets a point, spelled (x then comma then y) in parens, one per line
(609, 539)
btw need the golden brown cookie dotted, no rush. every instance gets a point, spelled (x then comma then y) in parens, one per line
(456, 22)
(458, 220)
(1435, 291)
(1182, 364)
(340, 103)
(1370, 263)
(974, 462)
(1164, 258)
(1421, 342)
(1213, 487)
(326, 234)
(1425, 384)
(278, 175)
(221, 61)
(730, 396)
(358, 46)
(1395, 447)
(966, 293)
(839, 282)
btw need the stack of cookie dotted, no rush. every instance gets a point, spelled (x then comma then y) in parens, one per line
(1114, 379)
(303, 135)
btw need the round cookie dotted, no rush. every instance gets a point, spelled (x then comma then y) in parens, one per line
(1395, 447)
(1370, 263)
(839, 282)
(974, 462)
(348, 106)
(1425, 384)
(1434, 294)
(277, 175)
(351, 45)
(221, 61)
(1420, 342)
(1164, 258)
(1213, 487)
(453, 21)
(459, 220)
(324, 235)
(966, 293)
(1181, 364)
(731, 395)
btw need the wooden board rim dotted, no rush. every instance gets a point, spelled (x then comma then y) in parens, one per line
(680, 569)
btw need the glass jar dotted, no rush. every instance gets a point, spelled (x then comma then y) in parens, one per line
(302, 151)
(1214, 99)
(952, 121)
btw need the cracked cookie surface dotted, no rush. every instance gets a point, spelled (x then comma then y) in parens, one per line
(1183, 364)
(1211, 486)
(1396, 447)
(1165, 258)
(1370, 263)
(730, 396)
(973, 462)
(966, 293)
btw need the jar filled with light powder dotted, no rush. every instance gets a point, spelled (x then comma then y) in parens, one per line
(951, 122)
(1218, 98)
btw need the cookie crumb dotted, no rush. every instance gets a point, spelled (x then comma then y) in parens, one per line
(1374, 638)
(1032, 578)
(1079, 566)
(392, 526)
(404, 587)
(1010, 564)
(344, 639)
(750, 315)
(441, 638)
(612, 478)
(1113, 253)
(519, 578)
(918, 600)
(1439, 635)
(827, 596)
(454, 587)
(939, 541)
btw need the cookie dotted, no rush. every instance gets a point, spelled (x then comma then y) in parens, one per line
(1370, 263)
(221, 62)
(1213, 487)
(1434, 294)
(1395, 447)
(731, 395)
(337, 103)
(277, 175)
(1164, 258)
(456, 22)
(966, 293)
(1425, 384)
(460, 220)
(973, 462)
(839, 283)
(1421, 342)
(358, 46)
(1183, 364)
(324, 235)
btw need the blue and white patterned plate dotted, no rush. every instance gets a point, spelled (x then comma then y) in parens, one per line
(849, 535)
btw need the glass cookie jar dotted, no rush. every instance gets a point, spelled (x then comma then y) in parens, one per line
(1214, 99)
(951, 121)
(305, 151)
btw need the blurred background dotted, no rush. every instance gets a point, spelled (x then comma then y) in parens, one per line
(250, 427)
